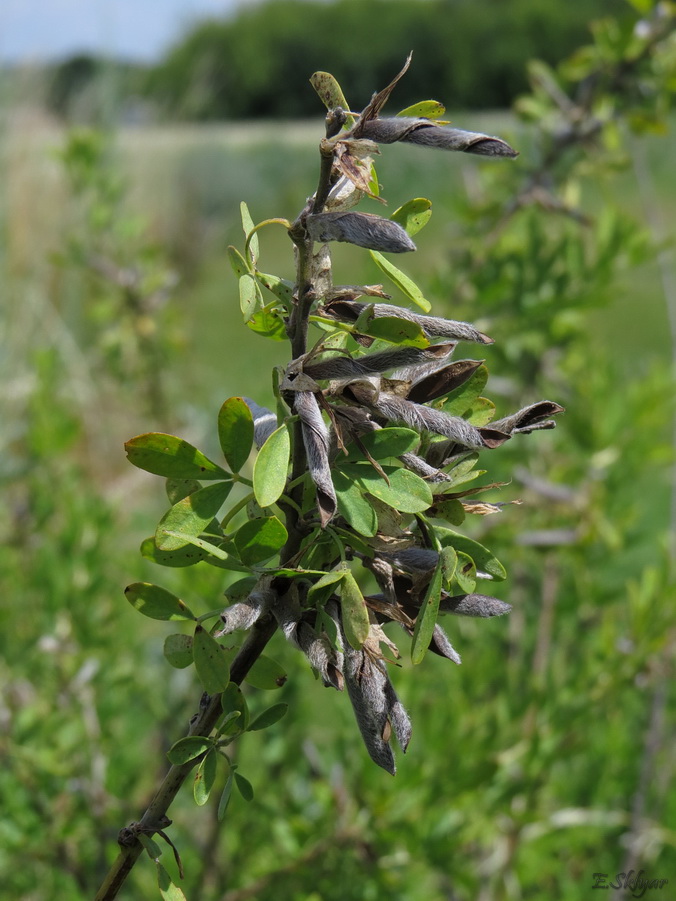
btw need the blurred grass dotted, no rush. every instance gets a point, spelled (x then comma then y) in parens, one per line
(495, 759)
(188, 182)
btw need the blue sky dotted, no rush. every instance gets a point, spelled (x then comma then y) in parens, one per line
(33, 30)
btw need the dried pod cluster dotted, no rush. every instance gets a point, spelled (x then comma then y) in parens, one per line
(389, 434)
(363, 471)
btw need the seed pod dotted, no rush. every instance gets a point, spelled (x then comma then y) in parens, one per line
(442, 646)
(317, 442)
(529, 419)
(245, 613)
(362, 229)
(425, 419)
(265, 422)
(365, 680)
(347, 367)
(422, 468)
(473, 605)
(441, 382)
(432, 326)
(430, 134)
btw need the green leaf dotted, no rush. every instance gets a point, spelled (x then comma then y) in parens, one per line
(449, 509)
(205, 777)
(266, 674)
(355, 615)
(156, 602)
(168, 889)
(239, 264)
(269, 717)
(177, 489)
(258, 539)
(245, 787)
(424, 109)
(211, 662)
(223, 559)
(465, 573)
(225, 797)
(189, 748)
(449, 562)
(458, 401)
(153, 849)
(353, 505)
(240, 589)
(271, 467)
(427, 617)
(190, 517)
(481, 412)
(462, 472)
(235, 432)
(402, 281)
(178, 650)
(250, 297)
(167, 455)
(406, 492)
(282, 288)
(330, 93)
(393, 330)
(232, 700)
(413, 215)
(384, 443)
(184, 556)
(323, 588)
(484, 559)
(248, 225)
(268, 323)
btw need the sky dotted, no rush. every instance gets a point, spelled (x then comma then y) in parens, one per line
(37, 30)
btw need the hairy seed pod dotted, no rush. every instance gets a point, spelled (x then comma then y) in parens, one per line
(365, 680)
(442, 646)
(317, 443)
(442, 381)
(530, 418)
(362, 229)
(432, 326)
(430, 134)
(347, 367)
(265, 422)
(425, 419)
(422, 468)
(245, 613)
(473, 605)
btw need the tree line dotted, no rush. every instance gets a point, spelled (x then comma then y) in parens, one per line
(256, 62)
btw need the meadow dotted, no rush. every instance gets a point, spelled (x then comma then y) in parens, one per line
(546, 758)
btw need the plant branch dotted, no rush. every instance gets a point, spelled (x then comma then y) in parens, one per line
(155, 817)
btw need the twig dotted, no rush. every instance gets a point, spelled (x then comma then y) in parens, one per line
(155, 817)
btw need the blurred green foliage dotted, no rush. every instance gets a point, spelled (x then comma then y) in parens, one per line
(211, 73)
(546, 757)
(255, 63)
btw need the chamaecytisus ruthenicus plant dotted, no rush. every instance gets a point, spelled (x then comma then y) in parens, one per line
(360, 477)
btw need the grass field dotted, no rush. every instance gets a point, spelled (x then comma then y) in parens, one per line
(545, 758)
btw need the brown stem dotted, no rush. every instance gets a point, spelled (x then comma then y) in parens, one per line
(155, 817)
